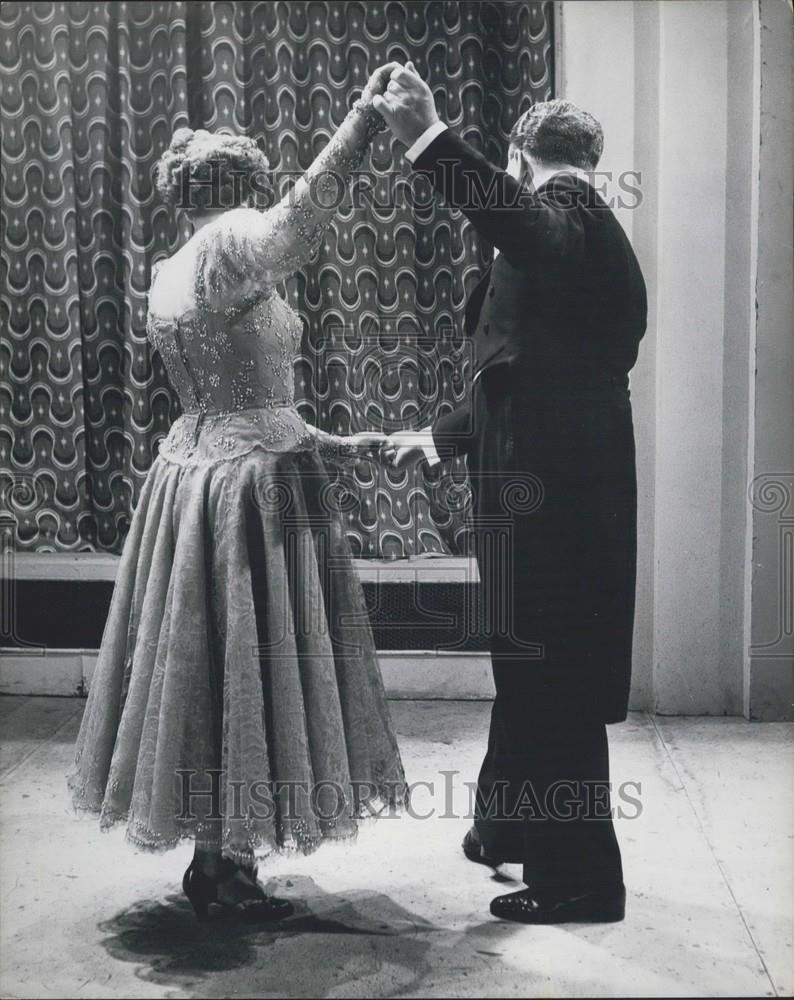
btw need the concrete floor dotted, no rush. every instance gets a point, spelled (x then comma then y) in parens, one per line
(708, 867)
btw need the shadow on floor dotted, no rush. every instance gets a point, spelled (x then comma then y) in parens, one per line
(361, 942)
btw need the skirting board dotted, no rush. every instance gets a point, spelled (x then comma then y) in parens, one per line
(411, 674)
(83, 566)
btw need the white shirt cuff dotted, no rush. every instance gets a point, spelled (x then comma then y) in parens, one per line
(424, 141)
(429, 448)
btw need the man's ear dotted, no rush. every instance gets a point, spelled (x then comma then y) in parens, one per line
(515, 165)
(529, 171)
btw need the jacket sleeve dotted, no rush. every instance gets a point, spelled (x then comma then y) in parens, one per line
(453, 432)
(533, 230)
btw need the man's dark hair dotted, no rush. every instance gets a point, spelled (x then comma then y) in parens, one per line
(559, 132)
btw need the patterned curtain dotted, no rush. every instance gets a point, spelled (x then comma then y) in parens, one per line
(91, 93)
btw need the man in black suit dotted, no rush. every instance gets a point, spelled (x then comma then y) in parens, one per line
(555, 324)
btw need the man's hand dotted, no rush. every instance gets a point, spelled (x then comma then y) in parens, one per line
(407, 105)
(377, 83)
(404, 445)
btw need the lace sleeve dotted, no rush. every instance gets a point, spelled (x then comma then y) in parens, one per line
(246, 252)
(151, 324)
(334, 448)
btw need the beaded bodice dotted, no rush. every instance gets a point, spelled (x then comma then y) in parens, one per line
(227, 339)
(228, 358)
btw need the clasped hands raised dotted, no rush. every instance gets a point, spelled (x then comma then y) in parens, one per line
(404, 100)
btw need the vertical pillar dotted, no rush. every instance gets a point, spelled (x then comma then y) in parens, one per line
(769, 680)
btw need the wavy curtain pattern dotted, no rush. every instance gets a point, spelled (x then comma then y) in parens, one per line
(91, 95)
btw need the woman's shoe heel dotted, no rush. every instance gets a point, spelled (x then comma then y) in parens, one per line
(253, 905)
(200, 890)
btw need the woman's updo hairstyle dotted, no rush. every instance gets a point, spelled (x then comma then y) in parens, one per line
(201, 171)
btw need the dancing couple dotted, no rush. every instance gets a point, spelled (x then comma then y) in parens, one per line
(237, 652)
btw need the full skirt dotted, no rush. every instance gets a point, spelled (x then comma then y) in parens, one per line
(237, 688)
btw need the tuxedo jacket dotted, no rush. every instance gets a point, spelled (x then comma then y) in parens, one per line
(547, 432)
(564, 302)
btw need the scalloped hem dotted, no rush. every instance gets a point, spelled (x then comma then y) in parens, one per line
(262, 848)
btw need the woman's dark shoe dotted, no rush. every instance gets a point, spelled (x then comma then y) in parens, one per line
(473, 849)
(200, 889)
(234, 888)
(602, 907)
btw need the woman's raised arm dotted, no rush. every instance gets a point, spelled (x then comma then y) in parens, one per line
(246, 251)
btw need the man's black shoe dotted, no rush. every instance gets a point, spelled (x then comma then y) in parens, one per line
(602, 907)
(473, 849)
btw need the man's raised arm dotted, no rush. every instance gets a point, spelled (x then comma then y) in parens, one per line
(531, 230)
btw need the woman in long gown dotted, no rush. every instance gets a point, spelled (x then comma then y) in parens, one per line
(237, 698)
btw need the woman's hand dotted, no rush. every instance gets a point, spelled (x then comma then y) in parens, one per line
(402, 446)
(366, 441)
